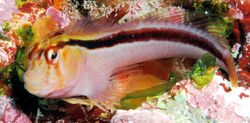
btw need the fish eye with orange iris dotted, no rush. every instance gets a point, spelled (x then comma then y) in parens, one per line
(52, 55)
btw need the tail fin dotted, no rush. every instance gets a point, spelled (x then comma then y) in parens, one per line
(231, 69)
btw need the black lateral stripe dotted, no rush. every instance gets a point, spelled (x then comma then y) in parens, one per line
(144, 35)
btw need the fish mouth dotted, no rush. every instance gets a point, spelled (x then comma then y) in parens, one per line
(47, 92)
(60, 92)
(44, 89)
(35, 88)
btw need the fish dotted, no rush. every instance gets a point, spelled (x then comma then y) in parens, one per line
(87, 57)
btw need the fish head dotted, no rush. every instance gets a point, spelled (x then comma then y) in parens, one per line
(53, 71)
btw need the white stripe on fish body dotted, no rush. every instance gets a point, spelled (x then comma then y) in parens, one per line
(108, 60)
(127, 54)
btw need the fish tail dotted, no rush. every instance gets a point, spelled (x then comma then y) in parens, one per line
(231, 69)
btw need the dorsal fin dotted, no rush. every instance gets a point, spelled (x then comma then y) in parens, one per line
(197, 20)
(89, 29)
(84, 26)
(202, 21)
(169, 14)
(222, 40)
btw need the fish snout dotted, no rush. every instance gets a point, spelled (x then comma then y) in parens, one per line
(33, 86)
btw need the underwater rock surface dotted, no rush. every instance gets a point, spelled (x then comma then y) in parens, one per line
(10, 114)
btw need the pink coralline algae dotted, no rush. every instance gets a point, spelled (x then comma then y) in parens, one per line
(58, 16)
(137, 6)
(243, 70)
(7, 52)
(7, 7)
(9, 114)
(217, 103)
(141, 116)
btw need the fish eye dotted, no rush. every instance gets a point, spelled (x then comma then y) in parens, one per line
(54, 55)
(51, 55)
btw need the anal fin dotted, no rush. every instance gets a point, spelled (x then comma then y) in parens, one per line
(78, 100)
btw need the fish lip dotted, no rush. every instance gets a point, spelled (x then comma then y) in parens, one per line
(50, 93)
(59, 93)
(47, 92)
(37, 92)
(28, 84)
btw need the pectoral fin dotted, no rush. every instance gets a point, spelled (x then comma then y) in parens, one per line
(127, 80)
